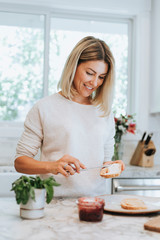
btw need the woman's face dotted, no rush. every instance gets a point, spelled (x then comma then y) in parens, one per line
(88, 77)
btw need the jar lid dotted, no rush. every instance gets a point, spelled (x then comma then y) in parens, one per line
(90, 201)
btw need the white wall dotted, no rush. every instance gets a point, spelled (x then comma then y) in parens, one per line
(155, 58)
(154, 90)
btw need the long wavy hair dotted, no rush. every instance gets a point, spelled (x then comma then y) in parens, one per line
(90, 49)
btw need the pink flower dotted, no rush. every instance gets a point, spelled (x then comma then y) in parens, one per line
(131, 128)
(115, 119)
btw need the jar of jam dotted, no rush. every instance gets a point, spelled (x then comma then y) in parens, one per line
(90, 209)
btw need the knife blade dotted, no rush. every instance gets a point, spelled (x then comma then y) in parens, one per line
(99, 167)
(91, 168)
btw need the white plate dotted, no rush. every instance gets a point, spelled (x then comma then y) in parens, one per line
(113, 204)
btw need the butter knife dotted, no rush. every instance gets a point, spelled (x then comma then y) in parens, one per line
(99, 167)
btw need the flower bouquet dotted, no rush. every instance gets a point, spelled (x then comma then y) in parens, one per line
(123, 124)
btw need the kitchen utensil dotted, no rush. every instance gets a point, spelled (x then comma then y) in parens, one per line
(91, 168)
(144, 134)
(144, 153)
(148, 140)
(99, 167)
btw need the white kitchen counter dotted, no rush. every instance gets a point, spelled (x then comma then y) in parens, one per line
(61, 222)
(141, 172)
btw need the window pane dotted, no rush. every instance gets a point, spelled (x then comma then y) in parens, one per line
(21, 63)
(65, 33)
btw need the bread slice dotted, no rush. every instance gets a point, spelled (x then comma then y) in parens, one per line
(133, 204)
(153, 224)
(112, 170)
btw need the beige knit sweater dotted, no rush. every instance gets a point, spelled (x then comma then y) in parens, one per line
(59, 126)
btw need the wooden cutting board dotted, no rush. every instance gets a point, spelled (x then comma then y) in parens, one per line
(153, 224)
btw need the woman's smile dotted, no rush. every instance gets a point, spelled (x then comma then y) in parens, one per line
(90, 88)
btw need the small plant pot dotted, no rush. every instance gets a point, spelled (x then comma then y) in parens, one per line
(34, 209)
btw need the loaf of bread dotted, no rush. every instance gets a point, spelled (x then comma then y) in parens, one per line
(111, 170)
(133, 204)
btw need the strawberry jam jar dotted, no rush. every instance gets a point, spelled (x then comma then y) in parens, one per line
(90, 209)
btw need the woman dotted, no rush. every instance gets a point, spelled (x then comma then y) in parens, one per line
(74, 128)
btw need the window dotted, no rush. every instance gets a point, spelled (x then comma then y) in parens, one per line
(21, 63)
(22, 58)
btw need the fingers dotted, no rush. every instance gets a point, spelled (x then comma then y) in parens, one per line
(70, 170)
(65, 169)
(78, 166)
(64, 172)
(71, 160)
(82, 165)
(68, 165)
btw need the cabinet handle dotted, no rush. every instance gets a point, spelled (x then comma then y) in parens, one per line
(120, 188)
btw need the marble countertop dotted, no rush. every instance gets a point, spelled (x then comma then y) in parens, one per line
(61, 221)
(141, 172)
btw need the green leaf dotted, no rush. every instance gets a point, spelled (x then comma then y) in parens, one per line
(56, 184)
(32, 193)
(50, 192)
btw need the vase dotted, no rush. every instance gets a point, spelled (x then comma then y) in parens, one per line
(117, 138)
(116, 151)
(34, 209)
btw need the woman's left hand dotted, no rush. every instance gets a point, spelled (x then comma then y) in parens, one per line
(117, 161)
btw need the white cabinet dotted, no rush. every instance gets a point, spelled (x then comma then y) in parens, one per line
(154, 92)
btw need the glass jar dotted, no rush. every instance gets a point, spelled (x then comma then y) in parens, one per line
(90, 209)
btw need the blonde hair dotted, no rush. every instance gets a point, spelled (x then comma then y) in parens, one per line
(90, 49)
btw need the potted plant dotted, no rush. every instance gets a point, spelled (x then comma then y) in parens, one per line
(30, 193)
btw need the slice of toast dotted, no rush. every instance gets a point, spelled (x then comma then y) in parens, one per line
(133, 204)
(112, 170)
(153, 224)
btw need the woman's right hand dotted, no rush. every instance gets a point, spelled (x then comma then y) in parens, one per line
(67, 165)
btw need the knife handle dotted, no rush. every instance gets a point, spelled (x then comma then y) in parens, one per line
(144, 134)
(148, 139)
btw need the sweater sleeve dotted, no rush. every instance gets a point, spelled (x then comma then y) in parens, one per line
(109, 143)
(32, 137)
